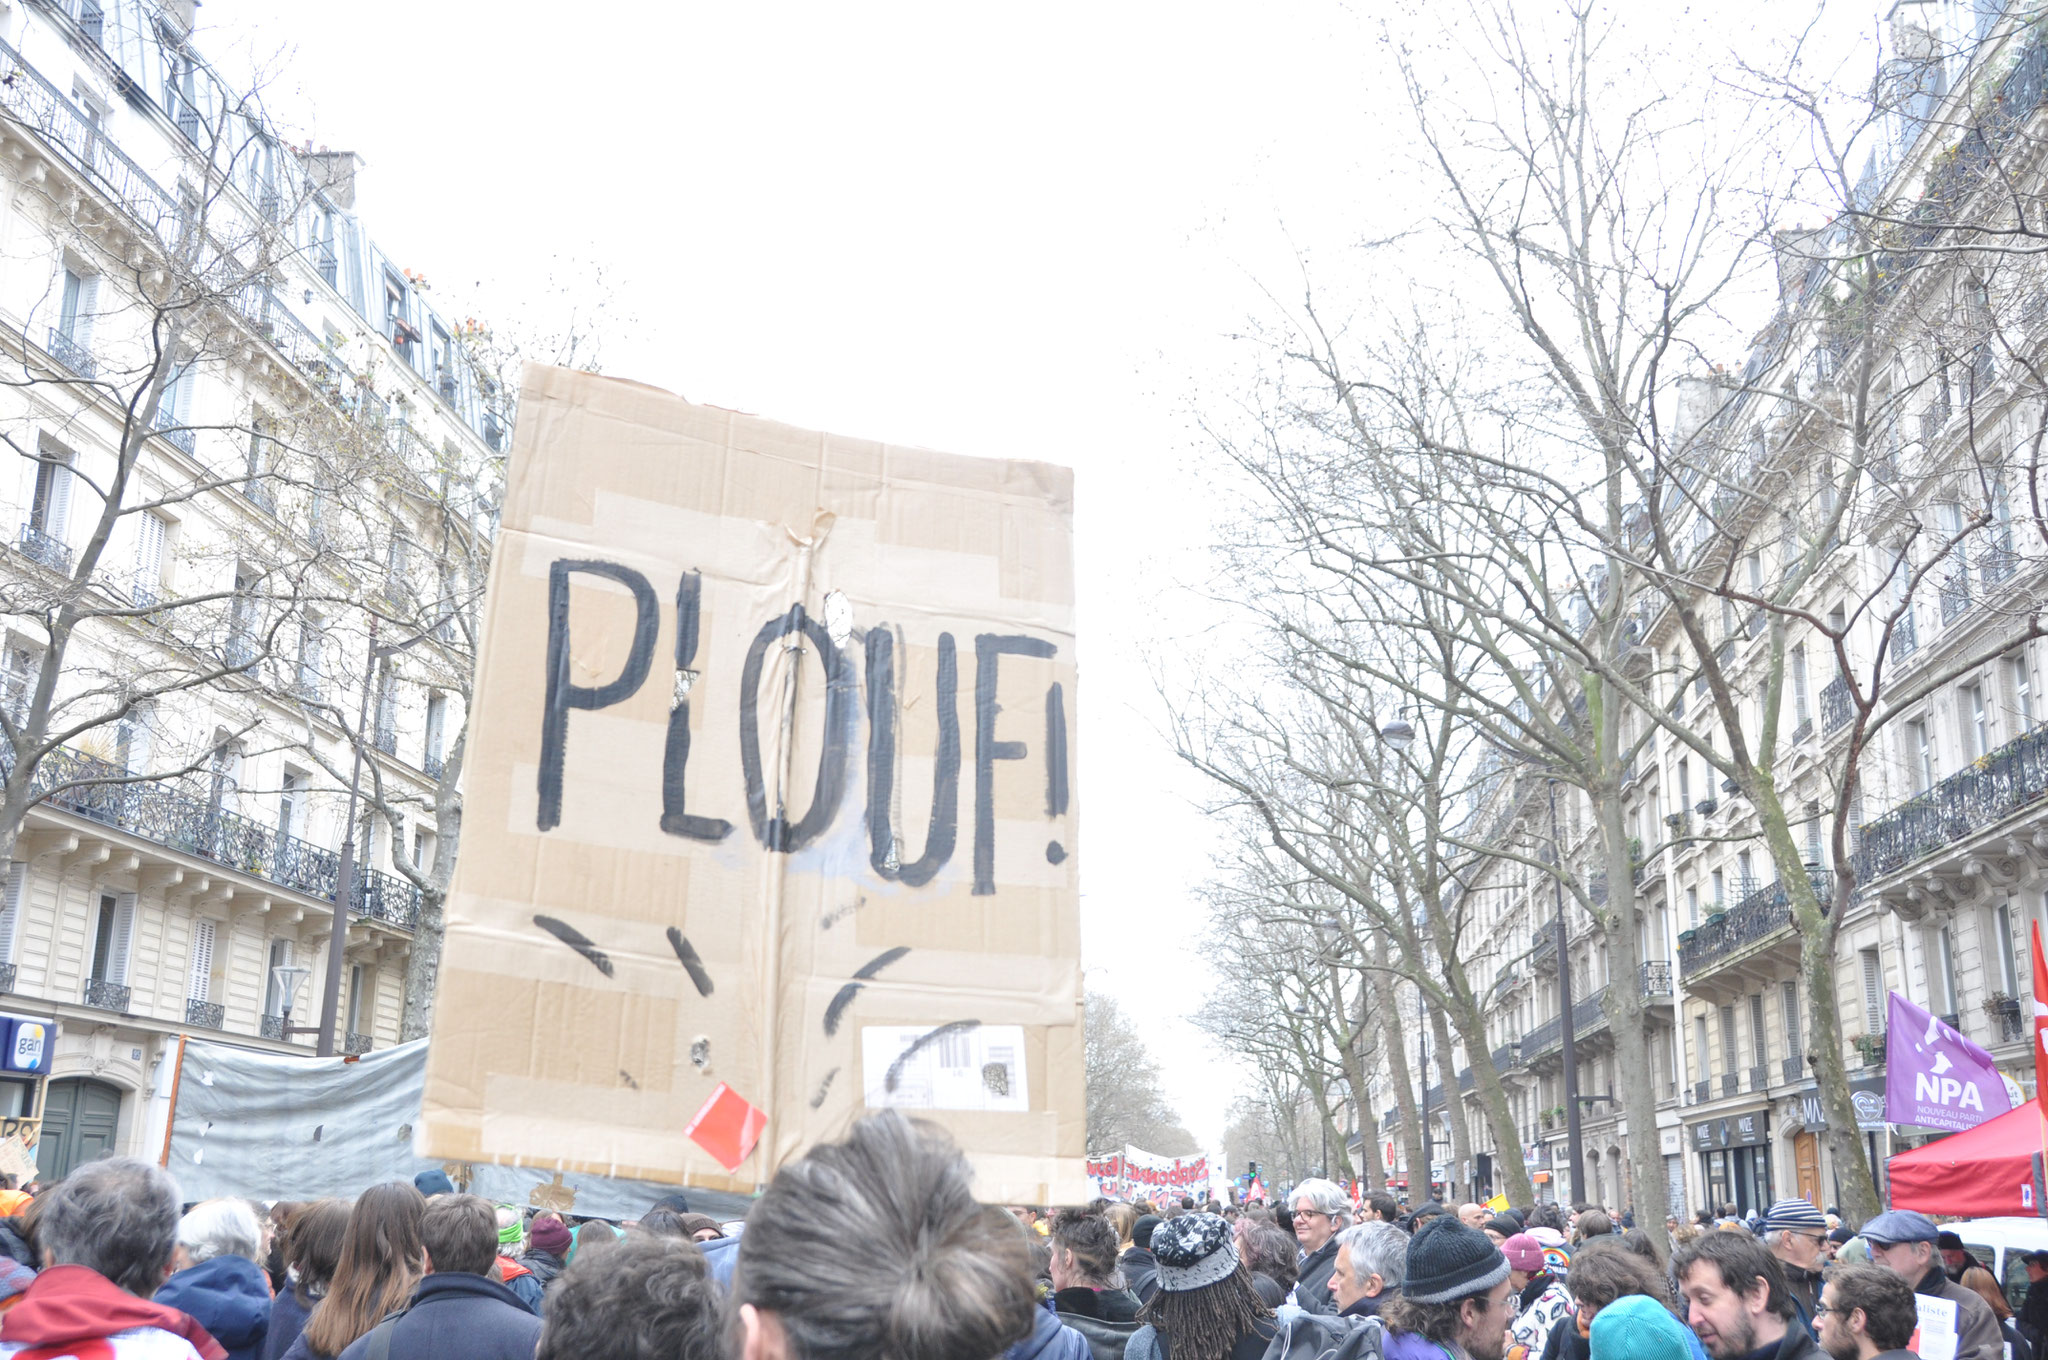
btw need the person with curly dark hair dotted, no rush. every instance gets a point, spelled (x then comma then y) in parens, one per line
(1088, 1293)
(646, 1296)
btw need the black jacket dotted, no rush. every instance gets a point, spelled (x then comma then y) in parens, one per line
(1564, 1341)
(1797, 1344)
(458, 1317)
(2033, 1318)
(1312, 1288)
(1141, 1273)
(288, 1314)
(1106, 1318)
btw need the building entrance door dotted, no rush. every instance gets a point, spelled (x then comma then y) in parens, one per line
(79, 1119)
(1806, 1157)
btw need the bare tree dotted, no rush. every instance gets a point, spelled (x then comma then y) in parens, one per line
(1126, 1102)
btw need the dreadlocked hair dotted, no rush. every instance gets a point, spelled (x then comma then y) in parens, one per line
(1203, 1324)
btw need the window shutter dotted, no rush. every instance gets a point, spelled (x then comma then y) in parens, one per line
(1759, 1050)
(11, 897)
(56, 522)
(149, 551)
(1873, 993)
(124, 931)
(1792, 1044)
(201, 987)
(88, 306)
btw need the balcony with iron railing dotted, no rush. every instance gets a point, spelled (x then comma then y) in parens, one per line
(1759, 1077)
(1983, 793)
(271, 1027)
(205, 1014)
(1756, 916)
(355, 1043)
(2008, 1019)
(432, 766)
(76, 358)
(6, 977)
(106, 996)
(1793, 1067)
(1955, 594)
(1548, 1037)
(44, 548)
(1702, 1092)
(175, 432)
(166, 814)
(1905, 640)
(1836, 708)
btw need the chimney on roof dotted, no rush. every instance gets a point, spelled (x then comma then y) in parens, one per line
(334, 174)
(1797, 251)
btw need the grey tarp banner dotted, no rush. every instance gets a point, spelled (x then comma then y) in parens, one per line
(269, 1127)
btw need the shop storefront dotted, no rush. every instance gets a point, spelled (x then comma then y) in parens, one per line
(1735, 1160)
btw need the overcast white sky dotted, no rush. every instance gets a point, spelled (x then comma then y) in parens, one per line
(1020, 231)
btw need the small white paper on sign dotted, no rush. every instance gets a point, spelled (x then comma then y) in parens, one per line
(948, 1067)
(1936, 1339)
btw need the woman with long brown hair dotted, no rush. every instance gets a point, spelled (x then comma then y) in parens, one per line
(312, 1249)
(381, 1263)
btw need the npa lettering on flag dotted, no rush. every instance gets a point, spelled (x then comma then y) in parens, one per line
(2040, 1023)
(1934, 1077)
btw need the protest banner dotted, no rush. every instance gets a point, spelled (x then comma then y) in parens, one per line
(1936, 1078)
(769, 811)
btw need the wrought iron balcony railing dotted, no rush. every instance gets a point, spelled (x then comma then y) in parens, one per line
(1904, 639)
(260, 495)
(1759, 1076)
(107, 996)
(1656, 974)
(1981, 793)
(74, 356)
(1794, 1067)
(38, 545)
(432, 765)
(353, 1042)
(205, 1014)
(1835, 706)
(1997, 564)
(1702, 1092)
(1756, 916)
(171, 816)
(180, 436)
(1802, 731)
(2006, 1015)
(1587, 1017)
(271, 1027)
(1955, 595)
(1730, 1083)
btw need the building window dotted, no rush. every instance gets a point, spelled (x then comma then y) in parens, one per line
(1920, 754)
(1976, 721)
(273, 993)
(1802, 710)
(1692, 906)
(132, 738)
(1789, 1004)
(76, 305)
(111, 933)
(291, 803)
(49, 510)
(1728, 1049)
(1759, 1050)
(2022, 690)
(1941, 971)
(1720, 890)
(1873, 992)
(2002, 949)
(199, 987)
(437, 720)
(152, 532)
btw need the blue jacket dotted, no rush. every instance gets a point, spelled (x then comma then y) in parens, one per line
(1050, 1339)
(459, 1317)
(287, 1319)
(230, 1297)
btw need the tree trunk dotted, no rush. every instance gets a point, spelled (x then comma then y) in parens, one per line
(1404, 1088)
(1457, 1176)
(1375, 1170)
(1511, 1172)
(1629, 1024)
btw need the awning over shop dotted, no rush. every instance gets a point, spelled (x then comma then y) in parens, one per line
(1991, 1170)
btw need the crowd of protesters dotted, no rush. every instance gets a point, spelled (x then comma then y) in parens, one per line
(875, 1248)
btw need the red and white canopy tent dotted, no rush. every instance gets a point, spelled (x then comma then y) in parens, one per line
(1993, 1170)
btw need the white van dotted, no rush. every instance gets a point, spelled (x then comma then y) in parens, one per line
(1998, 1244)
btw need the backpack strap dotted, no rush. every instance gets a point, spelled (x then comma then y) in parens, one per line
(380, 1338)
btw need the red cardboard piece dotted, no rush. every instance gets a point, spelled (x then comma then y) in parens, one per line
(727, 1127)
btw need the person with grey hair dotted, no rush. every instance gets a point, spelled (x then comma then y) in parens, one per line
(1372, 1260)
(1320, 1212)
(218, 1281)
(107, 1232)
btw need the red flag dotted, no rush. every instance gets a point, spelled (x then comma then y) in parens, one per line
(2040, 1023)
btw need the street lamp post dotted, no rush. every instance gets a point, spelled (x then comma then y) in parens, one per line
(289, 976)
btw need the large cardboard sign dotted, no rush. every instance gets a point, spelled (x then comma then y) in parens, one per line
(769, 814)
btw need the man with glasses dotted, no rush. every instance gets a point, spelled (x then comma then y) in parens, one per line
(1321, 1211)
(1903, 1242)
(1867, 1313)
(1797, 1234)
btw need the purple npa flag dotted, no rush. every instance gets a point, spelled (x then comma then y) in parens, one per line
(1934, 1077)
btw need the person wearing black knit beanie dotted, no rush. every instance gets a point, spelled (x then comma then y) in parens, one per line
(1455, 1301)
